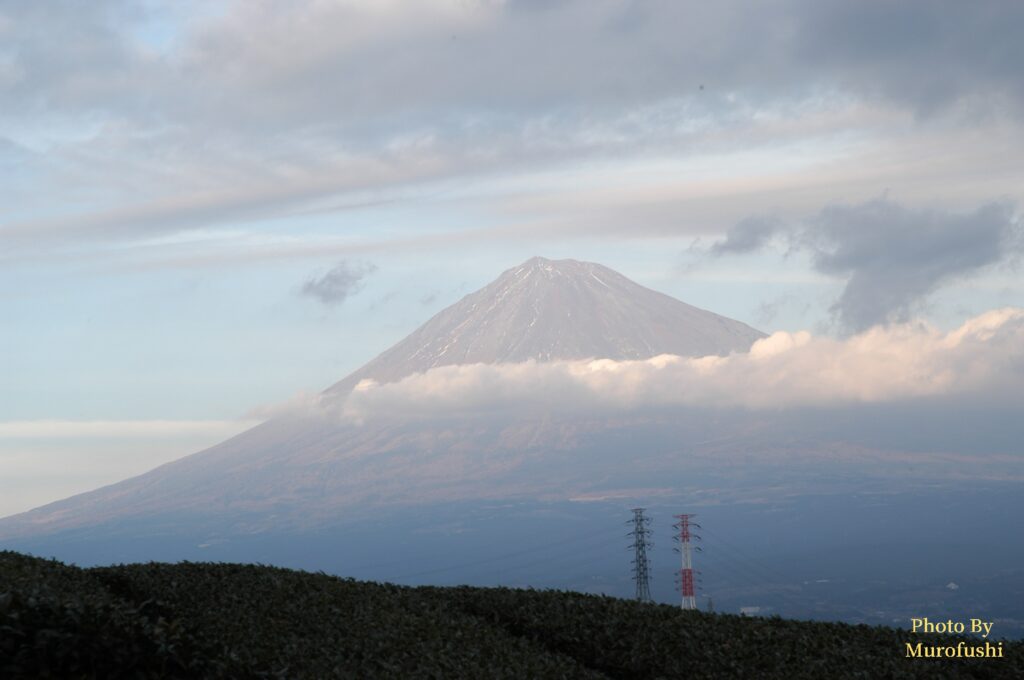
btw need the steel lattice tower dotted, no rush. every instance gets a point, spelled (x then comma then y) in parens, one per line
(641, 542)
(685, 550)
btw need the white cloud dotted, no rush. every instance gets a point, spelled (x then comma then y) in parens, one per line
(984, 358)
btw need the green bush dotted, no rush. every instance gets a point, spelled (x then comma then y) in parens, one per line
(244, 621)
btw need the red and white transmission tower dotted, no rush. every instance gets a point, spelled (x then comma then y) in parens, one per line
(685, 549)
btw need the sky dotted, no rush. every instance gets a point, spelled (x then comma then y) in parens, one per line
(214, 206)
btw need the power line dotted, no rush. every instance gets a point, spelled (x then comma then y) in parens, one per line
(579, 557)
(504, 557)
(750, 570)
(757, 564)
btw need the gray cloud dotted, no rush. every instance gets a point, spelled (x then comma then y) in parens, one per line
(894, 256)
(339, 283)
(747, 235)
(923, 53)
(596, 54)
(261, 93)
(891, 256)
(313, 62)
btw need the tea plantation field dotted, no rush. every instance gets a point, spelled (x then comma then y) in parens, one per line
(194, 620)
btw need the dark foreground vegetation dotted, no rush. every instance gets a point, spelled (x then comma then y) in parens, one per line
(242, 621)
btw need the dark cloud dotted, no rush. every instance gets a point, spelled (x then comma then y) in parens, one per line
(339, 283)
(894, 256)
(891, 256)
(747, 236)
(924, 53)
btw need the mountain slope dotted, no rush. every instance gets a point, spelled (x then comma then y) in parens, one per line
(557, 309)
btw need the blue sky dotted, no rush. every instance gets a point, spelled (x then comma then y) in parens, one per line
(175, 174)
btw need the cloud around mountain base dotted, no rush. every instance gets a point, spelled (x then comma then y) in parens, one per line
(983, 359)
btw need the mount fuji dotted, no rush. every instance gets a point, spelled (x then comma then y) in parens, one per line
(299, 472)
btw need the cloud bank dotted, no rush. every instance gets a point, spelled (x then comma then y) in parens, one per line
(983, 359)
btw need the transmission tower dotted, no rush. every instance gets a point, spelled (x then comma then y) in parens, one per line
(641, 542)
(685, 550)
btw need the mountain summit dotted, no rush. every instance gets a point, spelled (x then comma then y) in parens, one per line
(557, 309)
